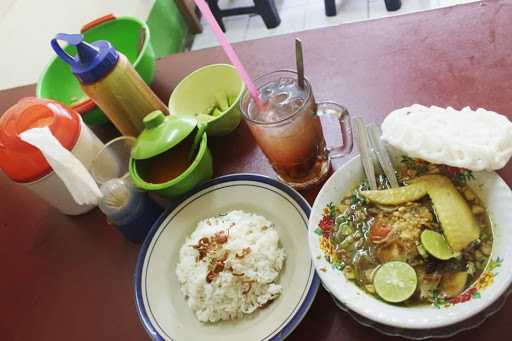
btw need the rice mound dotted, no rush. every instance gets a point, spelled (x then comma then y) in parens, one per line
(248, 247)
(472, 139)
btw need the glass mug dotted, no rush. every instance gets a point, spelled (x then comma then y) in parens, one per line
(289, 131)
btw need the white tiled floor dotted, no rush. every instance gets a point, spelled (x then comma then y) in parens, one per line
(298, 15)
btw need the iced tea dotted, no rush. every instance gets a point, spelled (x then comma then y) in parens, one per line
(288, 129)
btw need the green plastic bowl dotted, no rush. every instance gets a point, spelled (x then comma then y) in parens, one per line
(201, 89)
(198, 172)
(125, 33)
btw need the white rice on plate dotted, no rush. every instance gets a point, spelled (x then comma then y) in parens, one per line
(229, 266)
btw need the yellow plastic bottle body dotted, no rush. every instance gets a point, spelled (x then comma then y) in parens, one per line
(124, 97)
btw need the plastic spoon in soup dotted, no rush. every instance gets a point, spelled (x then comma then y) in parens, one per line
(374, 134)
(364, 150)
(201, 127)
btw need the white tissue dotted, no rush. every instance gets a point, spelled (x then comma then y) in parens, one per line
(70, 170)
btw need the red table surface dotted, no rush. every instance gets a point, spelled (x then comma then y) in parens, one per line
(72, 277)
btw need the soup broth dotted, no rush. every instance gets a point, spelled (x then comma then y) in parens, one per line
(168, 165)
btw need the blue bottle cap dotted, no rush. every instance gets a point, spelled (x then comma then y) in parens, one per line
(92, 61)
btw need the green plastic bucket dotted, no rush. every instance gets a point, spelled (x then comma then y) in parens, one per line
(127, 35)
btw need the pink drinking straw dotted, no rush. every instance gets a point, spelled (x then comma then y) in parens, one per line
(228, 49)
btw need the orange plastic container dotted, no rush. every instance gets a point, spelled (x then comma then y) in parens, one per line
(26, 165)
(20, 161)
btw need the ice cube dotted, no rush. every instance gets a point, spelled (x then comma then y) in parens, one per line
(279, 99)
(273, 115)
(268, 89)
(269, 113)
(295, 104)
(286, 82)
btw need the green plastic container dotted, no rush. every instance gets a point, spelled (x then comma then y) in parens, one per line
(127, 35)
(205, 88)
(161, 134)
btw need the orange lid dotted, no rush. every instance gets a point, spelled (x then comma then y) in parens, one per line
(20, 161)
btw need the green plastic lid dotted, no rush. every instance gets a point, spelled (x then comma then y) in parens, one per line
(161, 133)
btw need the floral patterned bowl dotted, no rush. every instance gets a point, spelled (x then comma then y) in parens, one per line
(494, 281)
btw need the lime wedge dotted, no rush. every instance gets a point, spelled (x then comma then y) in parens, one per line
(436, 245)
(395, 281)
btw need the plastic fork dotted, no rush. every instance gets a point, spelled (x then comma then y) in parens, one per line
(378, 147)
(362, 142)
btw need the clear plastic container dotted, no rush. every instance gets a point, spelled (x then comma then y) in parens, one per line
(112, 161)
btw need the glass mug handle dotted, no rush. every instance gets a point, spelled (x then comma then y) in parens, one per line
(340, 113)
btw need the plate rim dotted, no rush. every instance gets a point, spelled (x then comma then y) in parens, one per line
(300, 313)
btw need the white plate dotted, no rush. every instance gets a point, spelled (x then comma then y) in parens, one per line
(422, 334)
(160, 303)
(497, 198)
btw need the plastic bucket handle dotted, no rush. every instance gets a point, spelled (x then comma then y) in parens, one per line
(96, 22)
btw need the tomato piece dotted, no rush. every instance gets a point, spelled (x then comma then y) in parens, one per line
(453, 171)
(326, 223)
(379, 231)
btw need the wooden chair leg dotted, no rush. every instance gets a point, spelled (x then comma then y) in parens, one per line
(188, 10)
(214, 6)
(330, 8)
(268, 11)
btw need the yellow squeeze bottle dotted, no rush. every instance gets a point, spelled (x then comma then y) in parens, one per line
(108, 78)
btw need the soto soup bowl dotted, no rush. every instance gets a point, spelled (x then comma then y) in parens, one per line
(496, 196)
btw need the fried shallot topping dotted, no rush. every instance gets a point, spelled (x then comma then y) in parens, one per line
(211, 248)
(203, 246)
(217, 267)
(221, 237)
